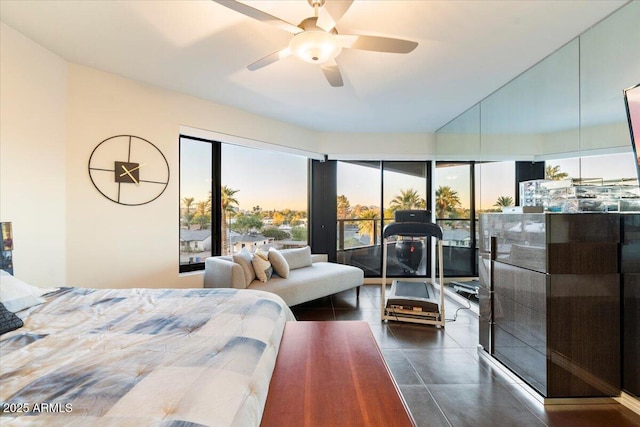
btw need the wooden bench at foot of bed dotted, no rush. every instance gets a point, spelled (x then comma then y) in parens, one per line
(332, 373)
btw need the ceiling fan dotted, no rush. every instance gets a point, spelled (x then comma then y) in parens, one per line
(316, 39)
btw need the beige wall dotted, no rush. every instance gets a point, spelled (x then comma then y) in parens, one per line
(110, 245)
(33, 85)
(376, 146)
(53, 115)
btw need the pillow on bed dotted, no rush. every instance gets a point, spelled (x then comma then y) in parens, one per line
(243, 258)
(279, 264)
(262, 266)
(298, 258)
(8, 320)
(17, 295)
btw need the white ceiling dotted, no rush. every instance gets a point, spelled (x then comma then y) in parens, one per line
(467, 49)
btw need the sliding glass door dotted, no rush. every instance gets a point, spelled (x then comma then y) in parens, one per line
(359, 215)
(455, 214)
(405, 188)
(368, 194)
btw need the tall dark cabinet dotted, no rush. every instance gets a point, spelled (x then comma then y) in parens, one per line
(550, 300)
(323, 216)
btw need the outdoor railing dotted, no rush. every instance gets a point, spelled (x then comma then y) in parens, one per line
(353, 224)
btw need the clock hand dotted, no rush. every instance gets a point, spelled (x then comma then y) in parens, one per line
(128, 172)
(131, 170)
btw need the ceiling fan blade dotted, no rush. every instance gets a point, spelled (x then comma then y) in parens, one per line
(377, 44)
(332, 73)
(332, 12)
(270, 59)
(259, 15)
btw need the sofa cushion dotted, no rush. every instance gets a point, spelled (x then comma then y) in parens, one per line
(244, 258)
(262, 266)
(298, 258)
(279, 263)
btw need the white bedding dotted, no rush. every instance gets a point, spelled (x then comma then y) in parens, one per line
(137, 357)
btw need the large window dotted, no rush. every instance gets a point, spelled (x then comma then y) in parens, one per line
(495, 186)
(405, 188)
(234, 197)
(196, 183)
(358, 204)
(264, 199)
(368, 194)
(455, 213)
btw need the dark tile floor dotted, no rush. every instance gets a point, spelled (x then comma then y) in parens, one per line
(442, 377)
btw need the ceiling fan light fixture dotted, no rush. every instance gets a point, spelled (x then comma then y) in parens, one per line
(315, 47)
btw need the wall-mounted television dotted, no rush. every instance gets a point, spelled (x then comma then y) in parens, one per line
(632, 102)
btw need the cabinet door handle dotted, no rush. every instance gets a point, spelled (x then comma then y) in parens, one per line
(494, 248)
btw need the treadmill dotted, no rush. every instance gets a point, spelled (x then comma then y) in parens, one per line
(414, 302)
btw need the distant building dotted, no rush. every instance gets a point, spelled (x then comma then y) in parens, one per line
(195, 240)
(251, 241)
(456, 237)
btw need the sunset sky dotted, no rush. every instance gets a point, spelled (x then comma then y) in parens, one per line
(275, 180)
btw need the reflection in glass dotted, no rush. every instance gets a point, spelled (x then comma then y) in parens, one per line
(495, 186)
(460, 136)
(632, 103)
(536, 113)
(606, 169)
(609, 63)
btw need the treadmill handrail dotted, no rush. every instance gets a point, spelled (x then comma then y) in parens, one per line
(413, 229)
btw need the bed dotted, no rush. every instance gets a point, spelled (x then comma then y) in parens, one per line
(136, 357)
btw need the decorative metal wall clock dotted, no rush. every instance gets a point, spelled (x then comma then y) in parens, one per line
(129, 170)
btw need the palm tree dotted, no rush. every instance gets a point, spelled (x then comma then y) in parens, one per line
(553, 173)
(408, 199)
(203, 214)
(344, 207)
(228, 202)
(370, 216)
(503, 201)
(447, 200)
(187, 202)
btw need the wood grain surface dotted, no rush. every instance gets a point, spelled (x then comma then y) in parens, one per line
(332, 374)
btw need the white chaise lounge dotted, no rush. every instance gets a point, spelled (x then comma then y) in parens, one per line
(309, 276)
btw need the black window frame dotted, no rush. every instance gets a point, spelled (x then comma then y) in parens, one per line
(216, 196)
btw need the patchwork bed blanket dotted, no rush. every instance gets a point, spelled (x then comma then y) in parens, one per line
(141, 357)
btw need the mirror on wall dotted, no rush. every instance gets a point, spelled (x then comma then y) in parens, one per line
(460, 136)
(536, 113)
(632, 105)
(567, 105)
(609, 63)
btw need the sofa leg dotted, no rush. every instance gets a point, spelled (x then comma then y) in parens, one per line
(358, 292)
